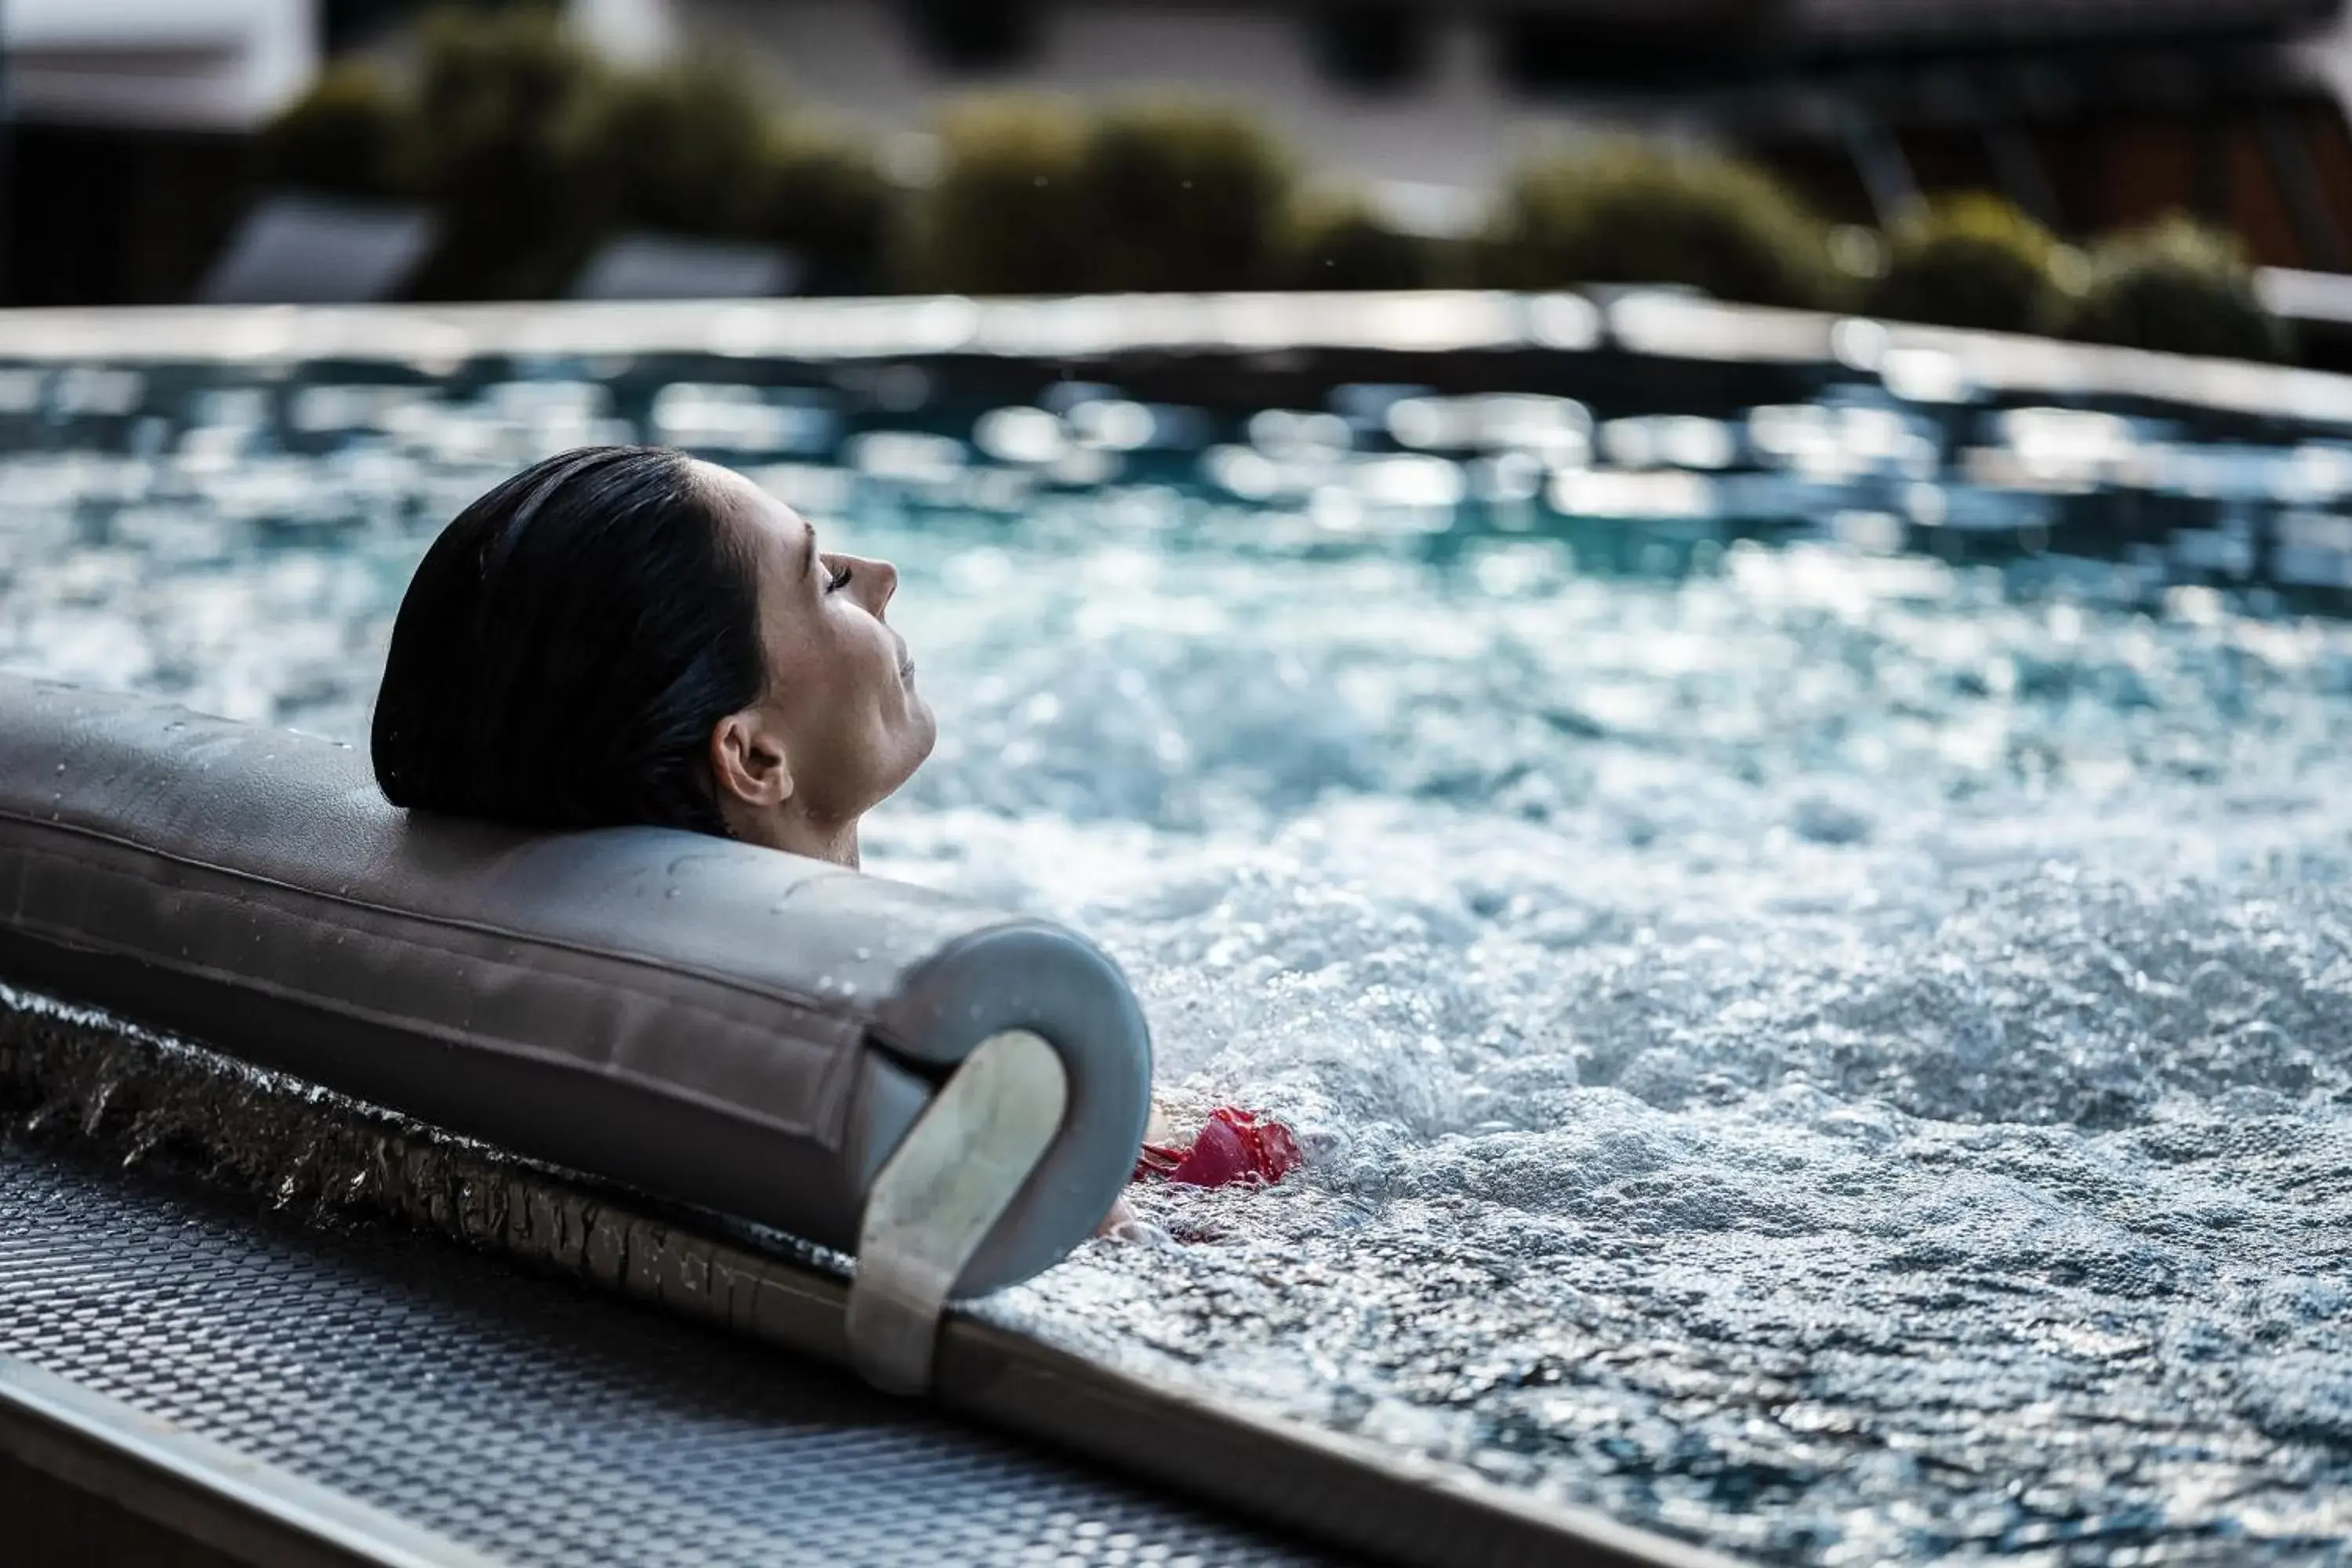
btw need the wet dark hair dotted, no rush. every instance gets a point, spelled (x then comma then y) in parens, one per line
(567, 645)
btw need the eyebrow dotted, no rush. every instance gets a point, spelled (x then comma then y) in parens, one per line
(808, 556)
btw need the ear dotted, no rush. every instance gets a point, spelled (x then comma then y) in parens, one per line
(748, 762)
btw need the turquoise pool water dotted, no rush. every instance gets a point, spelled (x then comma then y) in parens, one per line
(1802, 1041)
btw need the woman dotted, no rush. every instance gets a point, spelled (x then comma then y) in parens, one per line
(624, 635)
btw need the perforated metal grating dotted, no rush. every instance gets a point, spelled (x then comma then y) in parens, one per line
(523, 1416)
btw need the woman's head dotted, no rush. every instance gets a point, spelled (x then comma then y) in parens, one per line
(623, 634)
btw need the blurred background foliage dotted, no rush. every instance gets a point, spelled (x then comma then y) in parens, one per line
(530, 149)
(1974, 260)
(1624, 212)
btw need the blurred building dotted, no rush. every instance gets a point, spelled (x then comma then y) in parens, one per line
(127, 122)
(129, 117)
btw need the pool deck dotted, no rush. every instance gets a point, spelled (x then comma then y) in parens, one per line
(1918, 363)
(471, 1348)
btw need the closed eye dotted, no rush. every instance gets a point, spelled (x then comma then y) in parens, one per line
(839, 579)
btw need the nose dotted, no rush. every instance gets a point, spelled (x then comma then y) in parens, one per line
(878, 578)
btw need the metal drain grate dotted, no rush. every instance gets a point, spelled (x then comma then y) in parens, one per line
(524, 1416)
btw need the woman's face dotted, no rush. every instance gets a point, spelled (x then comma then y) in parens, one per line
(840, 700)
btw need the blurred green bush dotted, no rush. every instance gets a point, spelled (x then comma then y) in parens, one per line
(1624, 212)
(2178, 287)
(697, 147)
(1004, 211)
(1180, 194)
(823, 195)
(346, 137)
(498, 106)
(532, 151)
(1337, 241)
(681, 149)
(1974, 260)
(1033, 197)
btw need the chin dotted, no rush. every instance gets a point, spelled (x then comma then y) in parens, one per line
(924, 727)
(922, 735)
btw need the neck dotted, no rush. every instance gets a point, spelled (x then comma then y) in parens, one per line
(801, 833)
(817, 840)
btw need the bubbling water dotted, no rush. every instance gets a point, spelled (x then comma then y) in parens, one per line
(1831, 1058)
(1836, 1057)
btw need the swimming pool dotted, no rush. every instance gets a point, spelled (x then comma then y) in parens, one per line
(1823, 1049)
